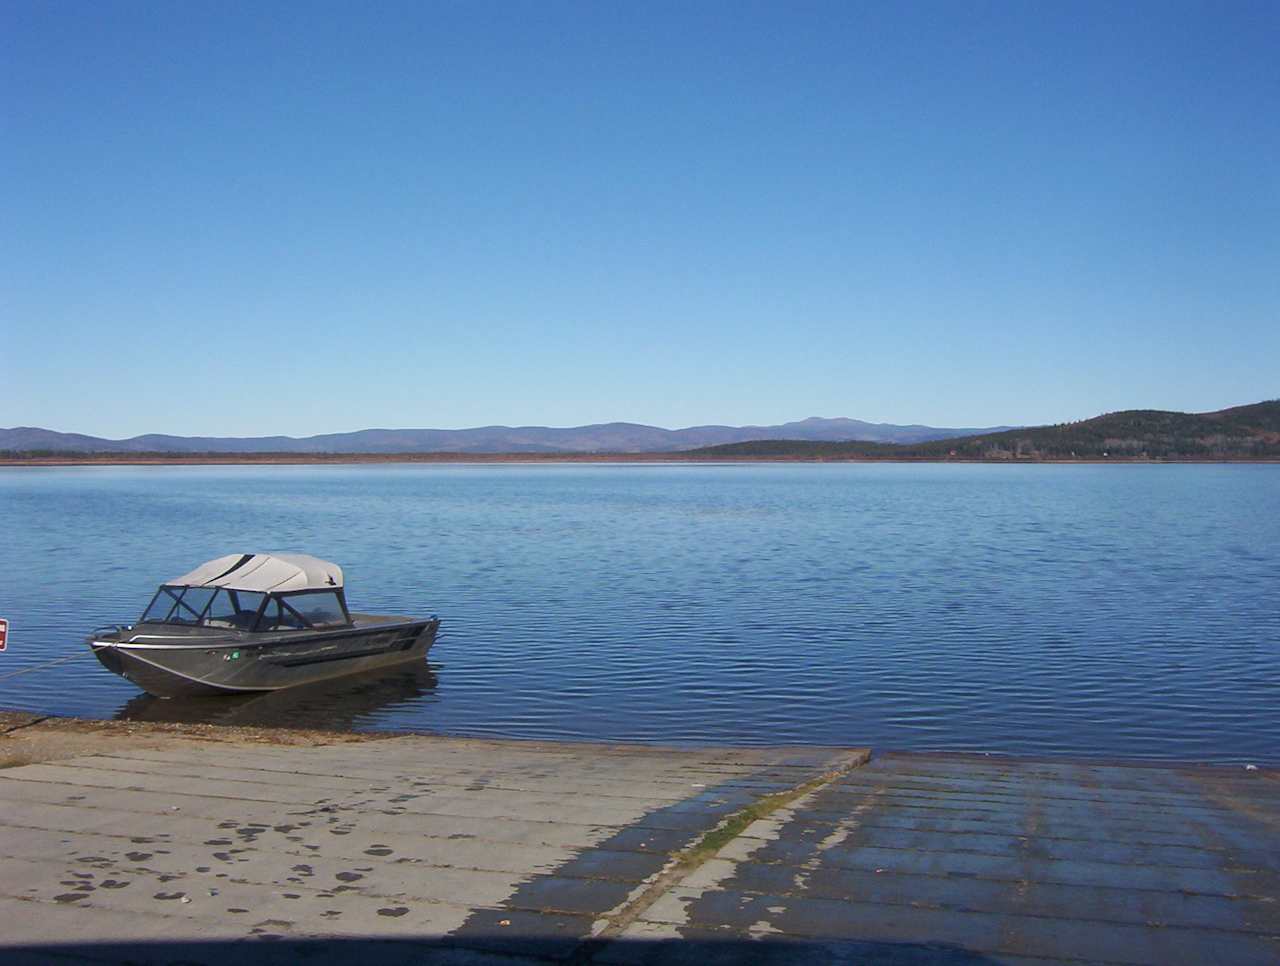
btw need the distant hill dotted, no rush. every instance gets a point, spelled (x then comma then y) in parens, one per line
(599, 438)
(1243, 432)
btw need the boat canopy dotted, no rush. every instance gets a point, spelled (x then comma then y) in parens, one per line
(264, 573)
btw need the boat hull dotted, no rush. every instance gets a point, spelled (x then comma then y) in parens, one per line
(248, 664)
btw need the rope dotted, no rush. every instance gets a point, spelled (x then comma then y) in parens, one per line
(41, 667)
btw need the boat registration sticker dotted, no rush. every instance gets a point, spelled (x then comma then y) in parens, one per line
(4, 632)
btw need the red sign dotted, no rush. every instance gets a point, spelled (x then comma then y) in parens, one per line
(4, 632)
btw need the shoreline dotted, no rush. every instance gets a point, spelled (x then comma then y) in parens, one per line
(80, 734)
(535, 459)
(50, 737)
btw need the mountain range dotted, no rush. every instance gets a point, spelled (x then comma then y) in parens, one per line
(596, 438)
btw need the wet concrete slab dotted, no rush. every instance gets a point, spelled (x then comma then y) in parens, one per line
(1005, 860)
(420, 849)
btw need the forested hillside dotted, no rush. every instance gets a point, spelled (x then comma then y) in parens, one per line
(1243, 432)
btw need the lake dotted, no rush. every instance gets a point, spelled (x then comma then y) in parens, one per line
(1129, 611)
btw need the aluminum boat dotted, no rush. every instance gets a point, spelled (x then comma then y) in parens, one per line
(256, 622)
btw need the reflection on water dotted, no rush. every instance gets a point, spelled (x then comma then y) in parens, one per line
(343, 704)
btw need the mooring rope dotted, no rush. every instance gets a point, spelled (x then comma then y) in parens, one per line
(41, 667)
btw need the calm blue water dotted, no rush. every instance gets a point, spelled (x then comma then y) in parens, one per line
(1114, 610)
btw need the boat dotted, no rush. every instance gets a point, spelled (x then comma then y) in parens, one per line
(256, 622)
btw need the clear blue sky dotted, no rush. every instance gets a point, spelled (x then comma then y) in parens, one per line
(294, 218)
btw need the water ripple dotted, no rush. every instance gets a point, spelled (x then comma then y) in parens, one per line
(1127, 611)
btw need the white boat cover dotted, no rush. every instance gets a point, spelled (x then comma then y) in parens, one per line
(264, 572)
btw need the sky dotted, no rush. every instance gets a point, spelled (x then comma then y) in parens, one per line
(277, 217)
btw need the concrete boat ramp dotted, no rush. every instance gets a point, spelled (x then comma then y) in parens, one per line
(140, 844)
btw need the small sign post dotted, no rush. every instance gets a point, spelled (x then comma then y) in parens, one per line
(4, 632)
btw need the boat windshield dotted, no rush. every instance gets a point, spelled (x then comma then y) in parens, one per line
(204, 606)
(312, 608)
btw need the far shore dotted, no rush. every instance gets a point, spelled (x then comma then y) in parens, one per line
(324, 459)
